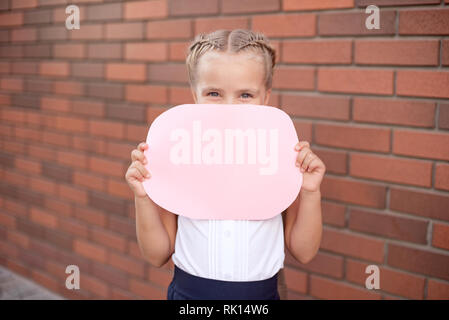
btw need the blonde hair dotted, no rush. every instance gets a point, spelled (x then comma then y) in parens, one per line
(230, 41)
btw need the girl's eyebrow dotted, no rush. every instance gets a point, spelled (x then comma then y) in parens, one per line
(211, 89)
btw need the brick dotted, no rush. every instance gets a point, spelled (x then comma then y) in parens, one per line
(443, 119)
(362, 193)
(353, 245)
(89, 250)
(87, 70)
(73, 88)
(392, 281)
(123, 111)
(355, 81)
(12, 84)
(55, 69)
(353, 137)
(110, 11)
(180, 95)
(53, 33)
(55, 104)
(386, 225)
(106, 128)
(104, 51)
(71, 124)
(145, 9)
(291, 5)
(169, 29)
(317, 51)
(11, 19)
(295, 280)
(335, 290)
(418, 261)
(286, 25)
(445, 53)
(300, 78)
(107, 202)
(303, 129)
(25, 34)
(105, 90)
(429, 22)
(385, 3)
(126, 264)
(73, 227)
(397, 170)
(167, 73)
(73, 194)
(434, 84)
(146, 93)
(401, 112)
(206, 25)
(43, 218)
(146, 290)
(335, 160)
(99, 288)
(146, 51)
(21, 4)
(37, 16)
(91, 216)
(130, 30)
(178, 50)
(421, 144)
(87, 32)
(423, 204)
(437, 290)
(440, 236)
(105, 166)
(323, 263)
(126, 71)
(442, 176)
(193, 7)
(236, 6)
(70, 158)
(397, 52)
(108, 239)
(353, 23)
(311, 106)
(25, 67)
(68, 50)
(87, 107)
(89, 181)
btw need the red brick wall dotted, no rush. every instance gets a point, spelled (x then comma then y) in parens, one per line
(373, 104)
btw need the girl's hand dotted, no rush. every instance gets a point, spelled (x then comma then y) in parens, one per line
(136, 172)
(311, 166)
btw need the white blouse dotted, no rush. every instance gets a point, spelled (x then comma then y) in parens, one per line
(230, 250)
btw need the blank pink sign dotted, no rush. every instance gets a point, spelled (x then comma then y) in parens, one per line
(217, 161)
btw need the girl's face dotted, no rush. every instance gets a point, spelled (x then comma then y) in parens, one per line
(231, 78)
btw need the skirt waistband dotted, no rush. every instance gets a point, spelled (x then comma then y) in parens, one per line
(187, 286)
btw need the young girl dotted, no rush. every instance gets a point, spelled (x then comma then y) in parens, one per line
(229, 259)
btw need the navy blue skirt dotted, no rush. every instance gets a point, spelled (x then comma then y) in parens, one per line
(185, 286)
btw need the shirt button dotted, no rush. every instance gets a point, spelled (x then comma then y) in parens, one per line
(227, 233)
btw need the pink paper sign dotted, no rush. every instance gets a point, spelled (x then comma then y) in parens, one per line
(217, 161)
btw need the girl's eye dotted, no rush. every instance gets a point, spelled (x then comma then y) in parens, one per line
(212, 93)
(247, 95)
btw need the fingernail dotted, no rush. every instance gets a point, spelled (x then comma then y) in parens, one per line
(148, 175)
(297, 147)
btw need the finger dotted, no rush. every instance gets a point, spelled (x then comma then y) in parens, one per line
(142, 146)
(135, 173)
(302, 154)
(308, 159)
(136, 155)
(301, 144)
(315, 163)
(139, 166)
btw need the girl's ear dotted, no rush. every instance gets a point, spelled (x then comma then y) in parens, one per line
(267, 96)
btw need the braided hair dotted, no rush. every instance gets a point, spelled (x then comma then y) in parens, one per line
(232, 41)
